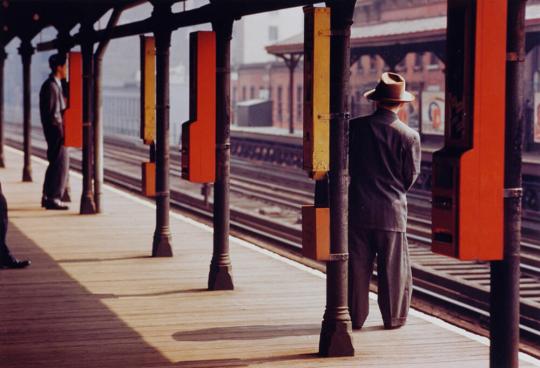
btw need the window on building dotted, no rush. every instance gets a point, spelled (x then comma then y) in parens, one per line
(244, 94)
(433, 61)
(401, 67)
(272, 33)
(252, 92)
(373, 63)
(279, 104)
(299, 103)
(418, 62)
(233, 97)
(359, 67)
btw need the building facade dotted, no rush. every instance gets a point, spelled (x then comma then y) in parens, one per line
(423, 71)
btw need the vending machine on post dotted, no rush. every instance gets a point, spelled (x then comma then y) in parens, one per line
(148, 112)
(468, 172)
(73, 116)
(199, 133)
(316, 139)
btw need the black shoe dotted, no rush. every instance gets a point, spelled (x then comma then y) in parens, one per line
(43, 202)
(15, 263)
(55, 204)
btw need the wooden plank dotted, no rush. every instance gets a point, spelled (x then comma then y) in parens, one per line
(94, 298)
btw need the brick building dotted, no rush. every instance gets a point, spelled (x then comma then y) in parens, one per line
(380, 26)
(271, 80)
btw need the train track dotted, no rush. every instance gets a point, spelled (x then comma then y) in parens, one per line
(460, 287)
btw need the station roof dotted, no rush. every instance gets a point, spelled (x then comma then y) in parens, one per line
(421, 31)
(26, 18)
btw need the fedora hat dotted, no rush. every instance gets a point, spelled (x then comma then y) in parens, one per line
(391, 88)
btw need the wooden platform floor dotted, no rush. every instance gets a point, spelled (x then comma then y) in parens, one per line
(94, 298)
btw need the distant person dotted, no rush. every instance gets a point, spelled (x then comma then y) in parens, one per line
(6, 259)
(384, 156)
(51, 108)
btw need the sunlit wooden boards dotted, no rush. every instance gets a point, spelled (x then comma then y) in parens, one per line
(199, 133)
(316, 141)
(148, 111)
(316, 91)
(468, 173)
(73, 116)
(316, 233)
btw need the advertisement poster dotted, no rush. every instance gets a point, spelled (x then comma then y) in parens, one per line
(433, 113)
(536, 129)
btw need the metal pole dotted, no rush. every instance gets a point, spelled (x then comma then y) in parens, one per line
(162, 236)
(504, 298)
(336, 332)
(87, 197)
(292, 65)
(98, 114)
(220, 277)
(3, 56)
(98, 133)
(26, 50)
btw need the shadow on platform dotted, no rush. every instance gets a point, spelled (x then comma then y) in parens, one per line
(49, 320)
(246, 362)
(256, 332)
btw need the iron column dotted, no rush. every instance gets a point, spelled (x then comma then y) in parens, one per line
(336, 332)
(162, 236)
(98, 113)
(3, 56)
(220, 277)
(26, 50)
(87, 197)
(291, 62)
(504, 298)
(98, 132)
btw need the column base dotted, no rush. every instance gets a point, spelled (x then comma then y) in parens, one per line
(220, 278)
(336, 339)
(87, 205)
(27, 175)
(161, 246)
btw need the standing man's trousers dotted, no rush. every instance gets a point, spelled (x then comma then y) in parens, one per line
(393, 271)
(5, 255)
(57, 171)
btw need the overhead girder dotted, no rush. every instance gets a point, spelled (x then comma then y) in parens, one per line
(218, 9)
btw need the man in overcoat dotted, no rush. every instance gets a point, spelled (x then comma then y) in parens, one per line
(6, 258)
(384, 162)
(51, 108)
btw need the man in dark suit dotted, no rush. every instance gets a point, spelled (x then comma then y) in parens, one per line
(384, 155)
(51, 108)
(6, 259)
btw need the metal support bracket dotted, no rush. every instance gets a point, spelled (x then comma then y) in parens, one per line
(515, 56)
(223, 146)
(334, 115)
(333, 257)
(513, 192)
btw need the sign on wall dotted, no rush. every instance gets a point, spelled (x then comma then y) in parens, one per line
(433, 113)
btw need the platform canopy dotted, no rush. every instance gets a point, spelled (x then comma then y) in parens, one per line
(26, 18)
(414, 35)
